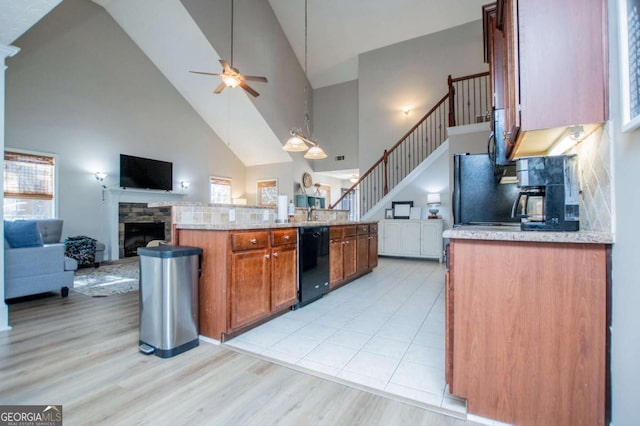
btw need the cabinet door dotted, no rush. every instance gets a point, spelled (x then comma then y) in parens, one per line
(373, 251)
(362, 253)
(284, 289)
(411, 238)
(511, 75)
(392, 238)
(431, 239)
(349, 257)
(448, 338)
(562, 62)
(249, 290)
(336, 262)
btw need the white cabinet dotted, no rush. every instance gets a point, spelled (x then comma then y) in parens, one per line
(411, 238)
(431, 238)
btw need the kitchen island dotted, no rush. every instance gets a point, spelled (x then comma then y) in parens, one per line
(250, 263)
(527, 324)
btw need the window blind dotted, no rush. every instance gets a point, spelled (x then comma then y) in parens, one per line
(28, 176)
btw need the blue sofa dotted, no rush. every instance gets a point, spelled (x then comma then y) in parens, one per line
(38, 268)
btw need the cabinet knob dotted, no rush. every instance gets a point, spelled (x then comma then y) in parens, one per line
(253, 241)
(275, 254)
(286, 237)
(266, 256)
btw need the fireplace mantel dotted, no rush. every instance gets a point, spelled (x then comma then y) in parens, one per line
(113, 197)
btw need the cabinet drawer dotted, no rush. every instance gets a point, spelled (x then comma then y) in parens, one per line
(336, 232)
(349, 231)
(362, 229)
(283, 236)
(373, 228)
(249, 240)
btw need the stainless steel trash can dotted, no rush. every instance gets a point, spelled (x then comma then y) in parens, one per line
(169, 299)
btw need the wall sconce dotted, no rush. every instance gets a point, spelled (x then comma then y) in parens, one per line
(433, 200)
(100, 177)
(406, 110)
(185, 184)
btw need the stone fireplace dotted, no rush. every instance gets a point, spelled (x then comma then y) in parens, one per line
(139, 224)
(130, 206)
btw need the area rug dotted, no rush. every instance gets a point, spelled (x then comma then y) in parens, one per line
(110, 278)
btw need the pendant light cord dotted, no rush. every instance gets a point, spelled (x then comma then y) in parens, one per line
(231, 34)
(306, 86)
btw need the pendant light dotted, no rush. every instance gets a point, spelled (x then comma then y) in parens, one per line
(298, 142)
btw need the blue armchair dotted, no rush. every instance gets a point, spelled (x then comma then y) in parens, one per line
(37, 267)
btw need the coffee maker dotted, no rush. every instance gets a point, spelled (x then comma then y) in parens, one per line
(549, 193)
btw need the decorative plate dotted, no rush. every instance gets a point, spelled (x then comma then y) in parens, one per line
(306, 180)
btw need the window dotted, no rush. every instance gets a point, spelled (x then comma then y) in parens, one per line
(220, 189)
(29, 182)
(268, 192)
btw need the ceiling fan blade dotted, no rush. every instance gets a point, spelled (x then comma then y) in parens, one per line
(254, 78)
(206, 73)
(225, 65)
(220, 87)
(249, 89)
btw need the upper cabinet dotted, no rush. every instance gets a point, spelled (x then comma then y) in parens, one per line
(549, 66)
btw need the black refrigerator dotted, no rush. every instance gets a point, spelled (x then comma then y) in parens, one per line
(478, 196)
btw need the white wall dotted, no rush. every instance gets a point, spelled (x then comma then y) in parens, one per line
(260, 48)
(83, 90)
(335, 116)
(414, 74)
(5, 51)
(625, 336)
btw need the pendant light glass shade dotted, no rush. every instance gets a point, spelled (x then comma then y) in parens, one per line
(295, 144)
(315, 153)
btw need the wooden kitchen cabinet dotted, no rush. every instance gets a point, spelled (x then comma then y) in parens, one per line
(373, 245)
(336, 256)
(526, 332)
(284, 258)
(554, 69)
(351, 253)
(249, 288)
(247, 277)
(362, 248)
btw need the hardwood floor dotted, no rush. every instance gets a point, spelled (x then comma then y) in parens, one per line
(81, 352)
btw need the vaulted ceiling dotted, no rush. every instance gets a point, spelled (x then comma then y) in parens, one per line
(338, 31)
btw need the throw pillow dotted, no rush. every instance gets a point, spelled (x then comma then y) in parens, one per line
(22, 233)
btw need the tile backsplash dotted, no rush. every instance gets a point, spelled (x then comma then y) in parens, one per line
(594, 161)
(197, 214)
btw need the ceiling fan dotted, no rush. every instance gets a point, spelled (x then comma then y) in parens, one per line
(231, 77)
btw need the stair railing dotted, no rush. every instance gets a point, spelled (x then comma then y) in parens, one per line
(466, 102)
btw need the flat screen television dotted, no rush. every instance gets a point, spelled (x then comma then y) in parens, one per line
(145, 173)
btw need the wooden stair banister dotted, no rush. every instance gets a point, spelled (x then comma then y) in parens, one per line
(423, 138)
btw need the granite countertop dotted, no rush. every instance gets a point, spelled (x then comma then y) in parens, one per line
(514, 233)
(269, 225)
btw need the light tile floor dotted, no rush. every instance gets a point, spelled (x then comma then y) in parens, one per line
(384, 330)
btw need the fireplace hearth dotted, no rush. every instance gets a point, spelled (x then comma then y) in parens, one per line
(139, 234)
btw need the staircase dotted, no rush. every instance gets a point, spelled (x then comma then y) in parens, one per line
(467, 101)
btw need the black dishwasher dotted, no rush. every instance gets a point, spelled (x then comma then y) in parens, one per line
(313, 263)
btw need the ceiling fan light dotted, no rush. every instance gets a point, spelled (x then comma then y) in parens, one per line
(315, 153)
(231, 81)
(295, 144)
